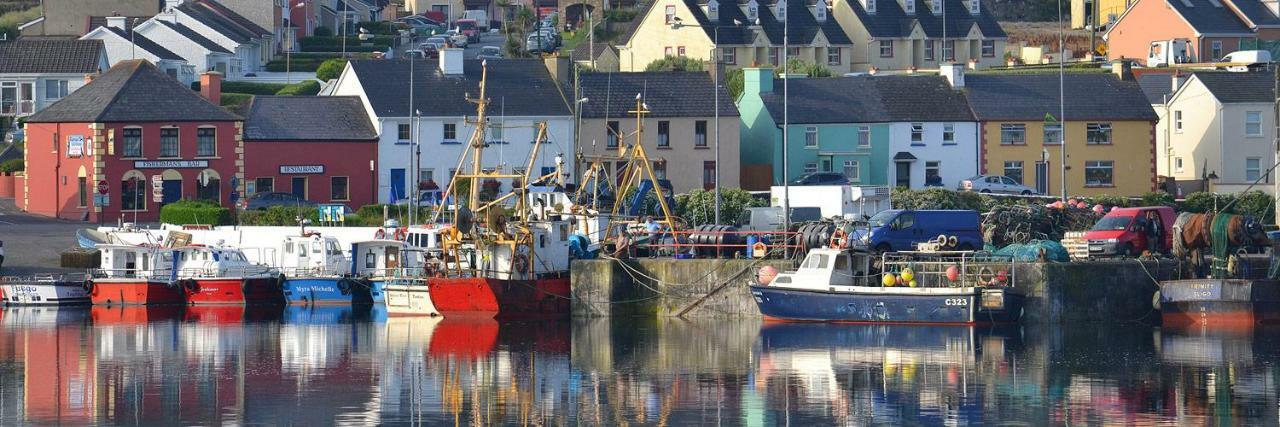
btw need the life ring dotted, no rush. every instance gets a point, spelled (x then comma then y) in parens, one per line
(380, 234)
(520, 263)
(402, 234)
(985, 275)
(344, 286)
(952, 241)
(837, 239)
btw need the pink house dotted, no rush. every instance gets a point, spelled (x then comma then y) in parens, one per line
(1213, 28)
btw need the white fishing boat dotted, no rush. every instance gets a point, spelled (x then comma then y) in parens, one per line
(396, 274)
(44, 289)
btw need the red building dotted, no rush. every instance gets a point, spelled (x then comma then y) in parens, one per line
(322, 149)
(128, 127)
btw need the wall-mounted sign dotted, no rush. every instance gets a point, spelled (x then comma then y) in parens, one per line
(75, 145)
(302, 169)
(170, 164)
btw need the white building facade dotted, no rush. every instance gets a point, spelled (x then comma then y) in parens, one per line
(946, 149)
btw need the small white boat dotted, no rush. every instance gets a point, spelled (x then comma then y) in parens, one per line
(44, 289)
(396, 275)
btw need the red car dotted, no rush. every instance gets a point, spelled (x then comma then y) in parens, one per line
(469, 28)
(1131, 231)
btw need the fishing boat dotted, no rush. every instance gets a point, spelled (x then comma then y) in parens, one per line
(837, 285)
(395, 275)
(195, 274)
(1229, 303)
(317, 272)
(44, 289)
(134, 275)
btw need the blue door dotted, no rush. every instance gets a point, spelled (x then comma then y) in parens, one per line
(171, 191)
(397, 185)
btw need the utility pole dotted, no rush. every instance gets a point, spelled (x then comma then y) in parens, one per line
(1062, 101)
(786, 134)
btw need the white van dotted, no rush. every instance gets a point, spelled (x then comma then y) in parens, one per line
(1244, 60)
(481, 17)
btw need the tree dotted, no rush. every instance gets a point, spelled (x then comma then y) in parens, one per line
(675, 63)
(733, 82)
(800, 66)
(699, 206)
(331, 69)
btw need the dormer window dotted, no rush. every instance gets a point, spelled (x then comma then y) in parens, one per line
(780, 10)
(820, 11)
(713, 10)
(909, 6)
(975, 7)
(936, 5)
(753, 10)
(870, 6)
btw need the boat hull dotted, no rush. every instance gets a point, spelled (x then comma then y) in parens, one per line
(496, 298)
(890, 305)
(135, 292)
(1225, 303)
(43, 293)
(326, 291)
(258, 290)
(408, 297)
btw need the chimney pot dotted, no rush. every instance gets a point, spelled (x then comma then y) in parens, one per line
(211, 86)
(1123, 69)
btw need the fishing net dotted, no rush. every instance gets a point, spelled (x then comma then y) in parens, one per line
(1023, 224)
(1220, 244)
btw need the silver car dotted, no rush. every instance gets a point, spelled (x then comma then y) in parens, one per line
(995, 184)
(490, 52)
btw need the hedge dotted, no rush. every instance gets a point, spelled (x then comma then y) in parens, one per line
(195, 212)
(296, 66)
(253, 88)
(330, 69)
(306, 88)
(12, 165)
(235, 99)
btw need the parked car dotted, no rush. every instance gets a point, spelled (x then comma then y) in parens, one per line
(537, 44)
(458, 39)
(1132, 231)
(422, 26)
(415, 54)
(468, 27)
(264, 201)
(440, 41)
(901, 230)
(490, 52)
(995, 184)
(821, 178)
(430, 50)
(480, 16)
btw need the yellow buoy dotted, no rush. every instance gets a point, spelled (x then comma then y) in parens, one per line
(913, 284)
(908, 275)
(888, 279)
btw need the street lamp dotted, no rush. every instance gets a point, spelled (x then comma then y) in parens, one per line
(288, 34)
(676, 24)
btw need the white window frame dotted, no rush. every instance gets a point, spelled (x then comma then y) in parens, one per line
(1015, 165)
(811, 137)
(834, 57)
(928, 49)
(215, 141)
(856, 167)
(1252, 173)
(1253, 123)
(811, 167)
(1177, 164)
(886, 48)
(1056, 128)
(1177, 121)
(864, 131)
(1013, 127)
(988, 48)
(1100, 164)
(948, 134)
(917, 134)
(729, 55)
(177, 144)
(1103, 128)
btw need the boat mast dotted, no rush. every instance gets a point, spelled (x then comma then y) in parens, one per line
(477, 137)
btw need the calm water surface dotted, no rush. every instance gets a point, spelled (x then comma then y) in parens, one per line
(321, 366)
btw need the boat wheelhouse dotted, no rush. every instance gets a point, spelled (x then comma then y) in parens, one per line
(396, 275)
(131, 274)
(317, 272)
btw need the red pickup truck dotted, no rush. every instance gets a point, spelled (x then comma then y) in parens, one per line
(1132, 231)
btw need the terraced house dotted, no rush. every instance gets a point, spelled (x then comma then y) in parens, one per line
(1109, 131)
(922, 34)
(735, 33)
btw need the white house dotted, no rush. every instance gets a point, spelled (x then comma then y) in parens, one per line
(36, 72)
(250, 43)
(203, 54)
(522, 93)
(926, 146)
(1219, 125)
(123, 44)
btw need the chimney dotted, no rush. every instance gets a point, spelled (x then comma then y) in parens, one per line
(211, 86)
(954, 74)
(1178, 80)
(560, 70)
(757, 80)
(117, 21)
(1123, 69)
(451, 61)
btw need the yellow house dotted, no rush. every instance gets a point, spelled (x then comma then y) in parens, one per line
(749, 33)
(1110, 132)
(1105, 11)
(902, 34)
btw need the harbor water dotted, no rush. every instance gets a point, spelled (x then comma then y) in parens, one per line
(325, 365)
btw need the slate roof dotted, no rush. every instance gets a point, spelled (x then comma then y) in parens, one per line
(584, 51)
(145, 44)
(308, 118)
(1091, 96)
(668, 94)
(868, 99)
(132, 91)
(1240, 87)
(891, 21)
(50, 55)
(194, 36)
(1206, 18)
(225, 22)
(1156, 86)
(520, 87)
(1255, 12)
(735, 28)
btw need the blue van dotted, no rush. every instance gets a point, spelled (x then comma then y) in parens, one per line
(900, 230)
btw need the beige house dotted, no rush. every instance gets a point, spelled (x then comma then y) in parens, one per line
(902, 34)
(1218, 125)
(680, 132)
(452, 9)
(72, 18)
(750, 33)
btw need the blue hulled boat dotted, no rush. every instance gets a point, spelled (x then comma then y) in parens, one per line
(834, 285)
(317, 273)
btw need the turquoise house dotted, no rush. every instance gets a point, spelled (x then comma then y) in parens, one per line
(836, 125)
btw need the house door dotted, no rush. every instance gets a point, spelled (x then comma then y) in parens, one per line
(826, 164)
(298, 186)
(903, 175)
(397, 185)
(26, 98)
(171, 191)
(1042, 177)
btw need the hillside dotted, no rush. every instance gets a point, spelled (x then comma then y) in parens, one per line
(1028, 10)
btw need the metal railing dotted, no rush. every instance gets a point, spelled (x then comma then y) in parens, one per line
(46, 278)
(932, 269)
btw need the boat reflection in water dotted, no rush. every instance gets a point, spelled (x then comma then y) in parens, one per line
(353, 364)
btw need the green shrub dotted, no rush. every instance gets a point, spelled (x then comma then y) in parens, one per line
(1110, 200)
(1202, 201)
(235, 100)
(620, 15)
(1158, 198)
(252, 88)
(381, 27)
(675, 63)
(330, 69)
(809, 69)
(322, 32)
(939, 198)
(699, 206)
(13, 165)
(279, 216)
(338, 48)
(195, 212)
(1256, 204)
(307, 88)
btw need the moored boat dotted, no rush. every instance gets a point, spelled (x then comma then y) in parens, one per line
(44, 289)
(219, 275)
(1229, 303)
(834, 285)
(396, 276)
(317, 272)
(135, 275)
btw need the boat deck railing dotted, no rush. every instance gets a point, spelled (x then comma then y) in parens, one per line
(934, 269)
(214, 272)
(392, 272)
(309, 272)
(46, 278)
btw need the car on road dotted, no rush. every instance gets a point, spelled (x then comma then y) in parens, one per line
(821, 178)
(422, 26)
(429, 50)
(440, 41)
(490, 52)
(995, 184)
(458, 39)
(468, 27)
(264, 201)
